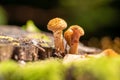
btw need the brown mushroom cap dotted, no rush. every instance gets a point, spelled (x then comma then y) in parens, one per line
(67, 35)
(78, 29)
(56, 24)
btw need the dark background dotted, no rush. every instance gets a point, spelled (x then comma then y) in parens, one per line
(98, 17)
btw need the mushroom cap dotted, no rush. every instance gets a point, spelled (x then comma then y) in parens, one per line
(77, 28)
(73, 33)
(67, 35)
(56, 24)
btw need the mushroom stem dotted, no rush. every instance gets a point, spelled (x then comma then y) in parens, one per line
(74, 41)
(74, 48)
(58, 39)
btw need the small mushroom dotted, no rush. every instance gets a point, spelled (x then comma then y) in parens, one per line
(72, 36)
(57, 25)
(109, 53)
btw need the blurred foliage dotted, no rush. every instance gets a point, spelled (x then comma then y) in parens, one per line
(53, 69)
(89, 14)
(3, 16)
(30, 27)
(105, 42)
(93, 16)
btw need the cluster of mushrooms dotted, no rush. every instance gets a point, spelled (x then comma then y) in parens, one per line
(71, 35)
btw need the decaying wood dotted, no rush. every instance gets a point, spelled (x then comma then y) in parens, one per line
(5, 52)
(15, 45)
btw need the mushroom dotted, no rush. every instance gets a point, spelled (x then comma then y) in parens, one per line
(109, 53)
(57, 25)
(72, 36)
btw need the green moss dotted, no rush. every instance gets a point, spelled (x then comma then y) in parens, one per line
(53, 69)
(98, 69)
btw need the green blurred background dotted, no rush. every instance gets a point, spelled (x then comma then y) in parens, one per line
(98, 17)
